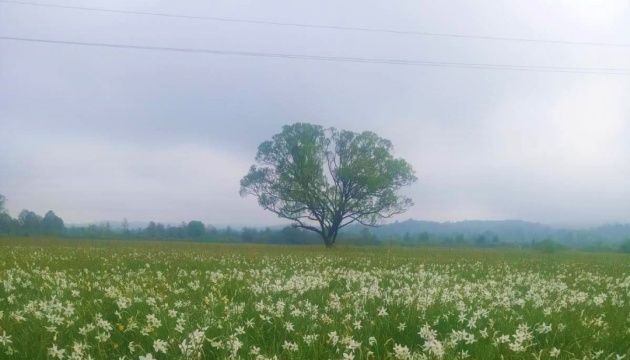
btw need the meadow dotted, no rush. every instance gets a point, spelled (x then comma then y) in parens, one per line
(63, 299)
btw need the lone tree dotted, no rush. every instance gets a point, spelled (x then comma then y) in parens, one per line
(325, 179)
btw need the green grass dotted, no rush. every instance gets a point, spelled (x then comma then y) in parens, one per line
(256, 301)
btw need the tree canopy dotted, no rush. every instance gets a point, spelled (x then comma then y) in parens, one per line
(52, 224)
(30, 222)
(195, 229)
(3, 200)
(326, 179)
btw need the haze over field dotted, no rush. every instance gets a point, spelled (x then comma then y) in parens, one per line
(100, 133)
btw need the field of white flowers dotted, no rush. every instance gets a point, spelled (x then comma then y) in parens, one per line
(117, 300)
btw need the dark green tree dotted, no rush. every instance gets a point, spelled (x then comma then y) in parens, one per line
(248, 235)
(151, 230)
(367, 237)
(3, 201)
(548, 246)
(125, 226)
(52, 224)
(423, 238)
(325, 179)
(481, 240)
(5, 224)
(30, 223)
(5, 219)
(195, 229)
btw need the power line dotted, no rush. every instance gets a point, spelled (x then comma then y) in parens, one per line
(329, 27)
(608, 71)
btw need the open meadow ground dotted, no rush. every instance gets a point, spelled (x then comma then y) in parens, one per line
(64, 299)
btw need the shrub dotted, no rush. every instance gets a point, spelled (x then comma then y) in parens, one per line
(548, 246)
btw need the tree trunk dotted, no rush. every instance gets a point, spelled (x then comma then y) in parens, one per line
(329, 241)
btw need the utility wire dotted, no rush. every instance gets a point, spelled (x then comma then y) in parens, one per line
(329, 27)
(609, 71)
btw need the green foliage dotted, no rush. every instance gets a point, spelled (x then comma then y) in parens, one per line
(325, 179)
(548, 246)
(195, 229)
(625, 247)
(52, 224)
(5, 224)
(119, 300)
(30, 222)
(3, 201)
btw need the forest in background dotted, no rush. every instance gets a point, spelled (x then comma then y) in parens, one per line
(485, 234)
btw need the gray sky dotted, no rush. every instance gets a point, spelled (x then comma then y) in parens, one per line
(102, 134)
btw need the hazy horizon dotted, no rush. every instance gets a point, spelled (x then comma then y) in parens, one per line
(99, 134)
(141, 224)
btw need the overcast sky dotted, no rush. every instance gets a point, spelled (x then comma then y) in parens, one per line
(102, 134)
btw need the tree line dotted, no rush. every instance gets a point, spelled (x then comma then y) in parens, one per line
(29, 223)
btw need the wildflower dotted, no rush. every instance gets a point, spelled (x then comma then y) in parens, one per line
(104, 324)
(554, 352)
(160, 346)
(5, 339)
(382, 311)
(239, 330)
(401, 352)
(309, 339)
(352, 345)
(334, 338)
(503, 339)
(102, 337)
(179, 328)
(434, 347)
(79, 348)
(153, 322)
(54, 352)
(516, 346)
(288, 326)
(427, 333)
(543, 328)
(148, 356)
(402, 326)
(86, 329)
(290, 346)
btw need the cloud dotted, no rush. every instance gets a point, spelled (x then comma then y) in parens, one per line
(98, 133)
(88, 180)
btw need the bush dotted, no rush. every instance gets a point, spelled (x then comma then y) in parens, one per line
(548, 246)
